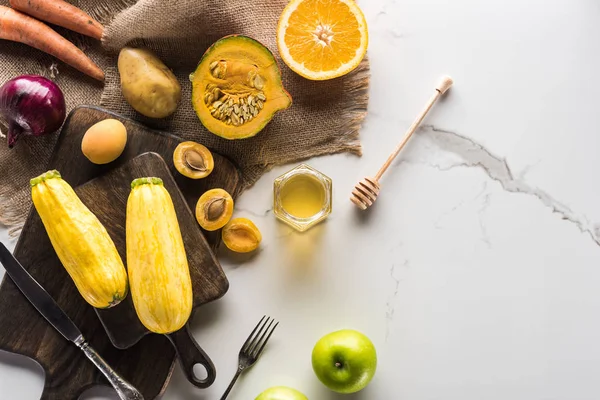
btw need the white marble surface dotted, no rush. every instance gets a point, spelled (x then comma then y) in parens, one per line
(477, 274)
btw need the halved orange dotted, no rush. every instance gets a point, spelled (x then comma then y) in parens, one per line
(322, 39)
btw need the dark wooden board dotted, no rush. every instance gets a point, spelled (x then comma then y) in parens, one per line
(106, 196)
(149, 363)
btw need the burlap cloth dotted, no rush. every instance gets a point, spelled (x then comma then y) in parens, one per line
(325, 116)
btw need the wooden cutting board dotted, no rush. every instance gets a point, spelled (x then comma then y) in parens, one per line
(106, 196)
(149, 363)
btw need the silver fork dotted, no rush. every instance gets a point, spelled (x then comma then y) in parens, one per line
(252, 349)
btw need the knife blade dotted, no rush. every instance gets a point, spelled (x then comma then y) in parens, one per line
(51, 311)
(38, 297)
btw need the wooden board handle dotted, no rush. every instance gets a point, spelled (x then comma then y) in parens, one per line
(124, 389)
(57, 393)
(190, 354)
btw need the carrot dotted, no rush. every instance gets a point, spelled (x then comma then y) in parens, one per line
(61, 13)
(21, 28)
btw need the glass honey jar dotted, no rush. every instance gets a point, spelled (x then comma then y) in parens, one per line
(302, 197)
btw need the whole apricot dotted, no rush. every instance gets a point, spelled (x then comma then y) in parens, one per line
(104, 141)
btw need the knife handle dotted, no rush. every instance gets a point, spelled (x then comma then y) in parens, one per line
(124, 389)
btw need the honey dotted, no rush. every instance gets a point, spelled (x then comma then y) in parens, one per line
(302, 197)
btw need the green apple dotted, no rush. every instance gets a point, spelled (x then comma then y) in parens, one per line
(281, 393)
(345, 361)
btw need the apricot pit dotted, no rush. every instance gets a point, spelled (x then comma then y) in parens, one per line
(193, 160)
(214, 209)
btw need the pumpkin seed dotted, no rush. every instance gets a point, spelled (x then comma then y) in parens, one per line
(240, 106)
(259, 82)
(251, 75)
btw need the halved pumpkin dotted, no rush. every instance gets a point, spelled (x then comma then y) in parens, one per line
(237, 88)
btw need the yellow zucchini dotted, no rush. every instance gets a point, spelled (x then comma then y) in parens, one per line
(159, 275)
(80, 240)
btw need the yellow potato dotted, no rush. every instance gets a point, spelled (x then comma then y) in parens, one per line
(105, 141)
(147, 84)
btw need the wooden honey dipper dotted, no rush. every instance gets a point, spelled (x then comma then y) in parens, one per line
(366, 191)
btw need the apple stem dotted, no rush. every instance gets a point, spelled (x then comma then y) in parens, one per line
(338, 364)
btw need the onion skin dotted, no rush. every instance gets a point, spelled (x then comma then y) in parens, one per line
(31, 105)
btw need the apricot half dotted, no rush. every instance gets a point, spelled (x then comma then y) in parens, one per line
(193, 160)
(241, 235)
(214, 209)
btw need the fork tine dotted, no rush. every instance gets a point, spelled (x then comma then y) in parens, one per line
(256, 339)
(259, 337)
(262, 347)
(247, 342)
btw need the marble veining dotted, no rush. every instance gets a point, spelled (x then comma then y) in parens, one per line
(467, 153)
(389, 314)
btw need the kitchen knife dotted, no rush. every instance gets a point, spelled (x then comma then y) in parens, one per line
(46, 305)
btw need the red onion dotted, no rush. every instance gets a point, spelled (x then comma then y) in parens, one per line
(31, 105)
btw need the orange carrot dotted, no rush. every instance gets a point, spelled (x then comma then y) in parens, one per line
(61, 13)
(21, 28)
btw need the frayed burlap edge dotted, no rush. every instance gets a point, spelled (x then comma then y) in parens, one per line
(11, 217)
(357, 87)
